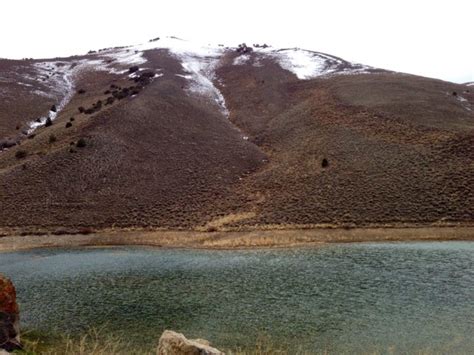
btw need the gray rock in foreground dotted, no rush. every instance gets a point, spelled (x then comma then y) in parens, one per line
(172, 343)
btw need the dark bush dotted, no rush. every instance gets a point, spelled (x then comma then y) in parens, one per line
(106, 92)
(49, 122)
(69, 124)
(53, 108)
(133, 69)
(72, 119)
(7, 143)
(110, 100)
(325, 163)
(81, 143)
(81, 109)
(455, 93)
(243, 49)
(134, 90)
(31, 136)
(144, 78)
(21, 154)
(52, 138)
(89, 111)
(81, 91)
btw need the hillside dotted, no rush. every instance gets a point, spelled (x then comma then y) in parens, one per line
(173, 135)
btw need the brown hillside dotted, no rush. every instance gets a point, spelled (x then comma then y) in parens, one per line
(397, 149)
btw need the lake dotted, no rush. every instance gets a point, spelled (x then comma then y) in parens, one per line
(353, 298)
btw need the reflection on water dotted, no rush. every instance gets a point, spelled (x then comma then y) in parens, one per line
(405, 296)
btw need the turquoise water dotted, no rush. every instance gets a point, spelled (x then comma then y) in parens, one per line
(401, 297)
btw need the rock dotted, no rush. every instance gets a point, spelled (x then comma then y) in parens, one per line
(9, 316)
(172, 343)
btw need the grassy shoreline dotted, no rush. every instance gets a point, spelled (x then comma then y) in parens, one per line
(237, 239)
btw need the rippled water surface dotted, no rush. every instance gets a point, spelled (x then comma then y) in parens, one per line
(400, 297)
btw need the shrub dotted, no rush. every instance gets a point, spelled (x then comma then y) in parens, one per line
(133, 69)
(81, 91)
(52, 138)
(81, 109)
(81, 143)
(69, 124)
(110, 100)
(325, 163)
(20, 154)
(49, 122)
(53, 108)
(72, 119)
(455, 93)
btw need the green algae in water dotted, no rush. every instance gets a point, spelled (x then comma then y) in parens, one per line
(406, 297)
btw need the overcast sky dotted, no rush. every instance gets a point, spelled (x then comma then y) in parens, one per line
(430, 38)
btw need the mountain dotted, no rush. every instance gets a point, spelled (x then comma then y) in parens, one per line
(173, 135)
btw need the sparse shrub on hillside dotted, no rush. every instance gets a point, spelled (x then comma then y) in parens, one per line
(244, 49)
(455, 93)
(52, 139)
(31, 136)
(54, 108)
(69, 124)
(72, 119)
(81, 91)
(325, 163)
(133, 69)
(7, 143)
(110, 100)
(21, 154)
(81, 143)
(17, 127)
(49, 122)
(81, 109)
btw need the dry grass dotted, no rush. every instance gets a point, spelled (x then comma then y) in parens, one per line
(94, 342)
(236, 239)
(98, 342)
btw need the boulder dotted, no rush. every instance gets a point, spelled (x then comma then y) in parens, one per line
(172, 343)
(9, 316)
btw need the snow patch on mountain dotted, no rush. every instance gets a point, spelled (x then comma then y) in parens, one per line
(304, 64)
(199, 62)
(309, 65)
(58, 77)
(241, 59)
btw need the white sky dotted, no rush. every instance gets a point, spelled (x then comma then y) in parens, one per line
(430, 38)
